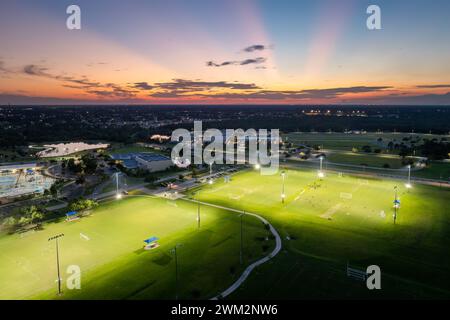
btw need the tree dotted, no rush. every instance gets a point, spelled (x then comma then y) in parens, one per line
(11, 224)
(90, 163)
(83, 204)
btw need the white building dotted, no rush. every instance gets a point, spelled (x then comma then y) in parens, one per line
(64, 149)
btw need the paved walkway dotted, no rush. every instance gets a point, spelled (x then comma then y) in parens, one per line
(255, 264)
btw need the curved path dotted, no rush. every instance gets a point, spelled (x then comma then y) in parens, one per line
(259, 262)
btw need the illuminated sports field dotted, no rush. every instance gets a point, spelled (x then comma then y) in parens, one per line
(342, 219)
(113, 262)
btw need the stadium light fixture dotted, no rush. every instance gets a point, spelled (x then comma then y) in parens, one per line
(174, 252)
(57, 259)
(321, 174)
(241, 253)
(408, 185)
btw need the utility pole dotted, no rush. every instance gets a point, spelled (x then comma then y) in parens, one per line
(198, 214)
(395, 204)
(174, 252)
(241, 254)
(57, 259)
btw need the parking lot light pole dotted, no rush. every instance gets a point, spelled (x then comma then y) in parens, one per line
(57, 259)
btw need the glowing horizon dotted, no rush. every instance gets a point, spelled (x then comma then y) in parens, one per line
(229, 52)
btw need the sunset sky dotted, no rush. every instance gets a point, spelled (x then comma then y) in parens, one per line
(225, 52)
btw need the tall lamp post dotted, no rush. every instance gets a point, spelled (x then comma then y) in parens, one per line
(396, 204)
(57, 259)
(198, 210)
(408, 184)
(118, 195)
(320, 173)
(174, 252)
(241, 254)
(283, 195)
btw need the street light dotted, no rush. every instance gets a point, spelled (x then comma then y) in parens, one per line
(408, 184)
(241, 258)
(118, 195)
(198, 210)
(320, 174)
(283, 195)
(396, 204)
(57, 259)
(174, 252)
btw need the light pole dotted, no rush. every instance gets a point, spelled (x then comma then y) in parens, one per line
(283, 195)
(198, 211)
(118, 195)
(241, 254)
(174, 252)
(57, 259)
(396, 204)
(408, 184)
(320, 173)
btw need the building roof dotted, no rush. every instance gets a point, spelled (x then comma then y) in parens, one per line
(129, 159)
(18, 166)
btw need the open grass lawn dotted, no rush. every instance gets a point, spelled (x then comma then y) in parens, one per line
(341, 219)
(435, 170)
(371, 160)
(113, 262)
(343, 141)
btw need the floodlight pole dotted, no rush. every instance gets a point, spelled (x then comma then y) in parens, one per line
(395, 204)
(241, 258)
(409, 175)
(174, 251)
(57, 259)
(198, 214)
(117, 183)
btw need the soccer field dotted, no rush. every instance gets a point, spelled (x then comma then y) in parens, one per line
(327, 223)
(114, 264)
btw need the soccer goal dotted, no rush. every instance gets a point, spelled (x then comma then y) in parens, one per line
(346, 196)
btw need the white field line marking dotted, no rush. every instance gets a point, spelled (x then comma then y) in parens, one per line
(298, 197)
(331, 211)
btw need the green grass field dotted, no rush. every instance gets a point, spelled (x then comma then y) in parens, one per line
(113, 262)
(327, 229)
(371, 160)
(345, 142)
